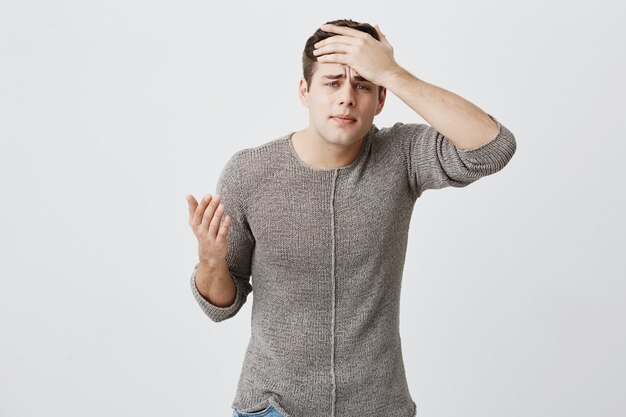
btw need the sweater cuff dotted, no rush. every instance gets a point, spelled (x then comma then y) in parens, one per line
(214, 312)
(502, 145)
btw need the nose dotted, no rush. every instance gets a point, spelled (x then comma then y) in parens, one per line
(347, 95)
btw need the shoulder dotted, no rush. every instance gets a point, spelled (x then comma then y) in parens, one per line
(251, 166)
(401, 130)
(397, 138)
(258, 154)
(253, 159)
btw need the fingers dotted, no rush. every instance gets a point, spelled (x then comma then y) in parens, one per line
(222, 233)
(342, 48)
(198, 209)
(214, 221)
(208, 210)
(192, 204)
(208, 214)
(383, 38)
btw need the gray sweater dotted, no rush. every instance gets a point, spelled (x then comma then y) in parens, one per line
(326, 251)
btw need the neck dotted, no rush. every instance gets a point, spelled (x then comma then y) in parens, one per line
(318, 152)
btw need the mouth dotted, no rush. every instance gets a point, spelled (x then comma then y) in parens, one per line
(344, 119)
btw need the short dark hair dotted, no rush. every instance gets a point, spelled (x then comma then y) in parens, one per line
(309, 59)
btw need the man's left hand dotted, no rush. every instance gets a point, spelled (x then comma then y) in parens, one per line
(371, 59)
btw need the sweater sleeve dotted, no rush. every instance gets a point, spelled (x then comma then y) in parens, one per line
(435, 162)
(240, 245)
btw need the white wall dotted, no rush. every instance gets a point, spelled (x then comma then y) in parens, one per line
(111, 112)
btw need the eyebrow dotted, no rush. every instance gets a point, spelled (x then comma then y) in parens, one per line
(337, 76)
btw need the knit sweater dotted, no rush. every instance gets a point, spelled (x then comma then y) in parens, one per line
(325, 249)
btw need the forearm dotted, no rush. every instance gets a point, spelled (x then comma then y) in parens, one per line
(462, 122)
(216, 284)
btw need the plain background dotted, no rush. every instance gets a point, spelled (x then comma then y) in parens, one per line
(112, 111)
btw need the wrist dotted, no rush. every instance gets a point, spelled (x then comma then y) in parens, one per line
(213, 265)
(392, 75)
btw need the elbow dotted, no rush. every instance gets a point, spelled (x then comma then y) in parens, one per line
(492, 156)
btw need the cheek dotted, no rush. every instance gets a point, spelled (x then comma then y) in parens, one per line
(319, 108)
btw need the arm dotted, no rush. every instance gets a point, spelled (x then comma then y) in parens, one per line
(434, 162)
(460, 121)
(462, 143)
(237, 266)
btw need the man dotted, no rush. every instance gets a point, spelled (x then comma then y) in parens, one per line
(320, 219)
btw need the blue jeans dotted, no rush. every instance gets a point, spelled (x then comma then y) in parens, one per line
(268, 411)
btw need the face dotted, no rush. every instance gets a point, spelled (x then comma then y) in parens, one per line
(336, 89)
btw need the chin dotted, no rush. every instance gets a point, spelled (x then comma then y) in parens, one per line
(343, 138)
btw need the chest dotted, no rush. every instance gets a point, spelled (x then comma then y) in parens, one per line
(298, 222)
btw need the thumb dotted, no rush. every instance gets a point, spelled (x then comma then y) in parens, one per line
(383, 38)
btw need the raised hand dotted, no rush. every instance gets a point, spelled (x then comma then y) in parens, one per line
(205, 219)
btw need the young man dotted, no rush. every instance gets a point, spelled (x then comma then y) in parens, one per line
(320, 218)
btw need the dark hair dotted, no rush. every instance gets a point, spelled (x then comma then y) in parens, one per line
(309, 60)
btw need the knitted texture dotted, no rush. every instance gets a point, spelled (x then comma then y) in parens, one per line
(324, 250)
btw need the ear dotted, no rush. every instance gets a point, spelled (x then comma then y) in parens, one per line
(302, 93)
(381, 100)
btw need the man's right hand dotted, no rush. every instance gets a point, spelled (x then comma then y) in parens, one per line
(205, 221)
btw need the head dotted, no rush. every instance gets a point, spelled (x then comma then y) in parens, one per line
(346, 92)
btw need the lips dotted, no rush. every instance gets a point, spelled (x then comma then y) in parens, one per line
(344, 121)
(344, 117)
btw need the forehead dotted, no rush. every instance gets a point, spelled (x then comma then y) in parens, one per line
(325, 68)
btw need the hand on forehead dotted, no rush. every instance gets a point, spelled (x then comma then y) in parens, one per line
(348, 70)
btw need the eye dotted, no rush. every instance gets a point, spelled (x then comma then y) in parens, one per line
(360, 85)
